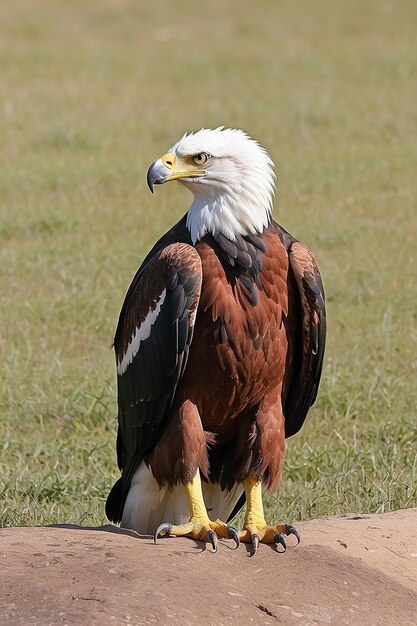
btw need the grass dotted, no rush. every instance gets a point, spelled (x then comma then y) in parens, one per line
(92, 92)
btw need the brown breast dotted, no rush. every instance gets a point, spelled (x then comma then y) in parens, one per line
(239, 349)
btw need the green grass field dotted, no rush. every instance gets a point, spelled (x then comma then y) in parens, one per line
(93, 92)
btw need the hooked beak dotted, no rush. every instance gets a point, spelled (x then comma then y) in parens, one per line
(169, 167)
(157, 174)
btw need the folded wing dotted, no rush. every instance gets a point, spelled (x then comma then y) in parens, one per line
(152, 341)
(306, 331)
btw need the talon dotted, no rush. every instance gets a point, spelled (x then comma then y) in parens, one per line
(212, 537)
(255, 543)
(280, 539)
(232, 533)
(290, 530)
(163, 528)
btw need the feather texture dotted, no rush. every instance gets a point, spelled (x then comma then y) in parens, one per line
(220, 341)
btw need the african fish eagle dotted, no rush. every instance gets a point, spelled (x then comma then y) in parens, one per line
(219, 351)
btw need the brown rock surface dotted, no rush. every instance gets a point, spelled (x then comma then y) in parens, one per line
(347, 570)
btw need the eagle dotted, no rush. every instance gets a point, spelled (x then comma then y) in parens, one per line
(219, 351)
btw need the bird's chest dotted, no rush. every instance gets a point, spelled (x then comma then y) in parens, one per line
(239, 339)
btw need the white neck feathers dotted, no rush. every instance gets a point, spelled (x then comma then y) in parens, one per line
(232, 212)
(235, 196)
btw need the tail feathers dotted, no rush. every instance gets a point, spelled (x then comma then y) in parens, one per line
(221, 504)
(113, 503)
(147, 505)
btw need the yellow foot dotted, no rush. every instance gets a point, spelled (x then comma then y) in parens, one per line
(201, 530)
(261, 533)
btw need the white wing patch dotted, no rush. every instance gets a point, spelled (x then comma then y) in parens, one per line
(140, 334)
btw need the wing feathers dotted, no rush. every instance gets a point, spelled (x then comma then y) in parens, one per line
(306, 338)
(152, 341)
(141, 333)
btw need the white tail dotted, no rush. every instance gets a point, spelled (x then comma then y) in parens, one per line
(147, 506)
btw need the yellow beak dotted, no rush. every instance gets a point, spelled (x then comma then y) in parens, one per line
(170, 167)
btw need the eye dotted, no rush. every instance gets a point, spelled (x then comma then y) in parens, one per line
(201, 158)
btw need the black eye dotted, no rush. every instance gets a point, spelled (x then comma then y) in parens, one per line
(201, 158)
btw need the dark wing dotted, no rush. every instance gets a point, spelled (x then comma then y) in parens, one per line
(306, 330)
(152, 341)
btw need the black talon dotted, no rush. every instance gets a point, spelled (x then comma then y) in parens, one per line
(232, 533)
(163, 528)
(290, 530)
(255, 543)
(280, 539)
(212, 537)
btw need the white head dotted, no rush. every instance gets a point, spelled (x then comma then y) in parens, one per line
(230, 175)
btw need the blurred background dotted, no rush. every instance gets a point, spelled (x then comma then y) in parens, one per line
(90, 94)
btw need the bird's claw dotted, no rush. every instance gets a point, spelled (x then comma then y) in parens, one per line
(255, 542)
(260, 532)
(232, 533)
(280, 539)
(165, 528)
(290, 530)
(212, 537)
(209, 532)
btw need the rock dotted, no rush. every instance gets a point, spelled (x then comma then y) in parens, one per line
(347, 570)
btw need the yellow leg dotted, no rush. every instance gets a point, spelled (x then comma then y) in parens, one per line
(200, 526)
(255, 527)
